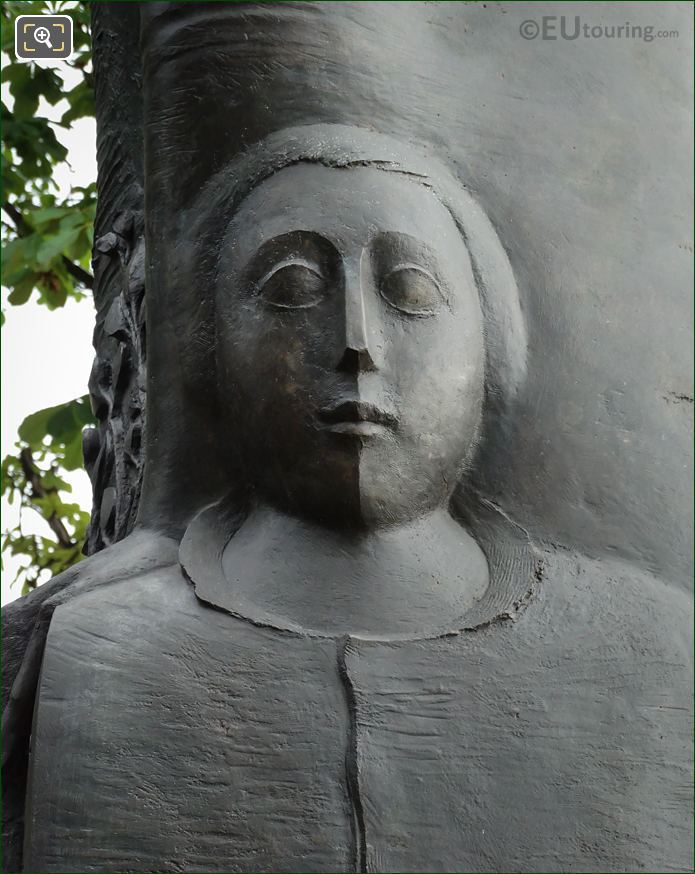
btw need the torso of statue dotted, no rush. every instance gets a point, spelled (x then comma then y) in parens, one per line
(171, 735)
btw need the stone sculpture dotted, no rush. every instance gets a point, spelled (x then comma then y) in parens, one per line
(328, 645)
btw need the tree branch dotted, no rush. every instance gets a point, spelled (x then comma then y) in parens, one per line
(24, 229)
(38, 491)
(78, 273)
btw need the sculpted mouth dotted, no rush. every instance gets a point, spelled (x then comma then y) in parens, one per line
(357, 417)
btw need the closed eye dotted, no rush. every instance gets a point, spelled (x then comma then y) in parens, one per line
(293, 283)
(412, 290)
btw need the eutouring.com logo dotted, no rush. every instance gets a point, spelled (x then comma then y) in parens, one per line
(571, 27)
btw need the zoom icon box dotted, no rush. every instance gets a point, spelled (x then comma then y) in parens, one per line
(43, 36)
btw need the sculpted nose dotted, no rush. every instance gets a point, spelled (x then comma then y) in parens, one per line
(356, 357)
(356, 361)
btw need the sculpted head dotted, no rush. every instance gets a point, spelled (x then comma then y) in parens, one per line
(351, 329)
(349, 343)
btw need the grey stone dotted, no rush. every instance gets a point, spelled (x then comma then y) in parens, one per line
(392, 564)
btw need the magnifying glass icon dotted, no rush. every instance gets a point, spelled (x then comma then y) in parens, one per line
(43, 35)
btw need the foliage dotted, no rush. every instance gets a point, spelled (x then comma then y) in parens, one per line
(46, 247)
(46, 241)
(50, 440)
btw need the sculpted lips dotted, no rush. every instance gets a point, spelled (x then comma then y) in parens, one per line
(357, 417)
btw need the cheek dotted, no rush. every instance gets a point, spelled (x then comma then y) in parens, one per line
(437, 370)
(270, 362)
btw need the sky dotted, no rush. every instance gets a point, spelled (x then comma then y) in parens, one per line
(46, 356)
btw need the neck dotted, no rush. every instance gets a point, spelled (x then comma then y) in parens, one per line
(415, 579)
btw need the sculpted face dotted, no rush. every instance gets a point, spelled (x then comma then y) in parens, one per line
(350, 345)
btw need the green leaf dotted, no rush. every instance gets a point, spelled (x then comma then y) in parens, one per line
(81, 100)
(61, 422)
(33, 428)
(53, 288)
(73, 458)
(18, 256)
(51, 480)
(22, 291)
(54, 246)
(42, 216)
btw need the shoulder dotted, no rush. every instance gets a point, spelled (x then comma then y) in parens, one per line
(618, 604)
(132, 605)
(25, 622)
(135, 619)
(137, 587)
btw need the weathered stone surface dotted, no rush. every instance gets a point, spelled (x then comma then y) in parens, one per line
(406, 581)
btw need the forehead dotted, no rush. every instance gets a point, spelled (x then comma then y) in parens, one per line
(347, 206)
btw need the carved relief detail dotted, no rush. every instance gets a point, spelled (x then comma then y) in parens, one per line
(113, 451)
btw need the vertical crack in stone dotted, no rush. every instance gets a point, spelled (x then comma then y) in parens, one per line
(351, 763)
